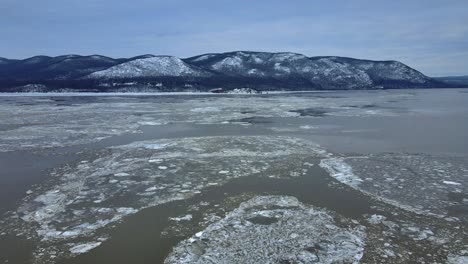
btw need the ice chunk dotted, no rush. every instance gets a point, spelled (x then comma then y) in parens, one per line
(83, 248)
(451, 183)
(340, 170)
(121, 174)
(155, 146)
(205, 109)
(376, 219)
(151, 189)
(182, 218)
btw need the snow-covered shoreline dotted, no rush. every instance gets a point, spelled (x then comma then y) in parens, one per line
(148, 94)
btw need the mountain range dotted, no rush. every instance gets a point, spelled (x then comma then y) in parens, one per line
(239, 69)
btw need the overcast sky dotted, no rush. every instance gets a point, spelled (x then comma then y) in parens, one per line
(429, 35)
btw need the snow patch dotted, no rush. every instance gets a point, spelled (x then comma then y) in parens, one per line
(150, 67)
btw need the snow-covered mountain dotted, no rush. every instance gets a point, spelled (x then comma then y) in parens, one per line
(4, 61)
(323, 72)
(55, 68)
(239, 69)
(157, 66)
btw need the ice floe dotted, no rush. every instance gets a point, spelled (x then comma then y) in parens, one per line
(341, 171)
(376, 219)
(84, 198)
(458, 259)
(274, 229)
(405, 180)
(451, 183)
(83, 248)
(182, 218)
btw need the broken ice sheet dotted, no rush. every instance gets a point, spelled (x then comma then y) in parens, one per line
(405, 180)
(47, 123)
(341, 171)
(274, 229)
(458, 259)
(122, 180)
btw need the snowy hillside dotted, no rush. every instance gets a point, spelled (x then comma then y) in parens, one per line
(151, 67)
(324, 72)
(55, 68)
(3, 61)
(231, 70)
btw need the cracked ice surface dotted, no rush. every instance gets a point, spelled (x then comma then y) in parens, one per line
(44, 122)
(455, 259)
(84, 198)
(422, 183)
(274, 229)
(341, 171)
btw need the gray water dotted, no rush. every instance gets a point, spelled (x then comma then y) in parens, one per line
(43, 138)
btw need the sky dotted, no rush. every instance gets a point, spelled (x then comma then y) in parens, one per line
(428, 35)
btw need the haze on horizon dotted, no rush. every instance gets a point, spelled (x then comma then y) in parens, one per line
(430, 36)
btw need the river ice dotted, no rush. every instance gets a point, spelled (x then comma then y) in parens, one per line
(274, 229)
(122, 180)
(419, 202)
(46, 122)
(422, 183)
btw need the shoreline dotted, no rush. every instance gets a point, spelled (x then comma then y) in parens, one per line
(19, 94)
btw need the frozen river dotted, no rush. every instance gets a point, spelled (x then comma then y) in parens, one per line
(326, 177)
